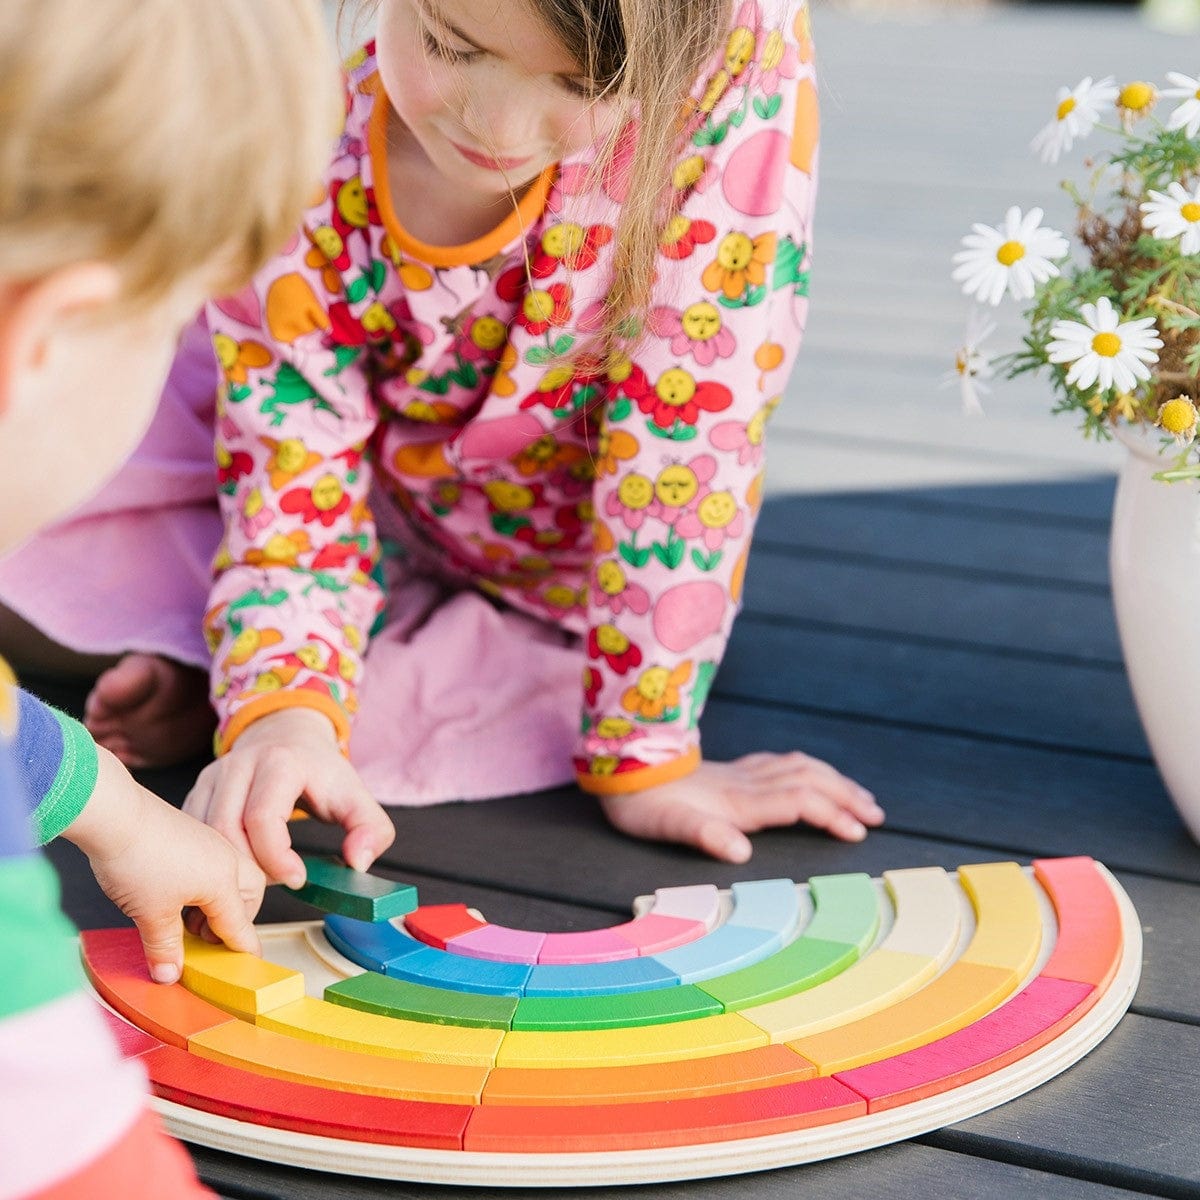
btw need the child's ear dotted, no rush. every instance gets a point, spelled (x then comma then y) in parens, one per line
(31, 314)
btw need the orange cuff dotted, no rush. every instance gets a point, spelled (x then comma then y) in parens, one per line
(646, 777)
(276, 702)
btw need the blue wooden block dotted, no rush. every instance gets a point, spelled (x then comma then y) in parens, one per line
(727, 948)
(370, 944)
(438, 968)
(770, 904)
(590, 979)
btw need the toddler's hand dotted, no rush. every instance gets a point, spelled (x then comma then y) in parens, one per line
(152, 861)
(281, 759)
(719, 803)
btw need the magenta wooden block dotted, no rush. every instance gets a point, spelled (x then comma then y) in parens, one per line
(1007, 1034)
(586, 946)
(498, 943)
(653, 932)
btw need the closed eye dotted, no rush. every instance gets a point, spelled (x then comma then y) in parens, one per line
(450, 54)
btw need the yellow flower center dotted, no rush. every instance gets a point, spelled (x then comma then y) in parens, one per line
(1010, 253)
(1066, 108)
(1190, 211)
(538, 306)
(1136, 96)
(1107, 345)
(1178, 416)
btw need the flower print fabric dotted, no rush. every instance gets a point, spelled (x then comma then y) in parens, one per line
(366, 368)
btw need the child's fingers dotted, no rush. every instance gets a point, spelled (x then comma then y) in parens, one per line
(695, 827)
(278, 784)
(369, 830)
(226, 917)
(162, 944)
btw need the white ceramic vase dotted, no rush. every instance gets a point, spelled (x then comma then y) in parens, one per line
(1154, 561)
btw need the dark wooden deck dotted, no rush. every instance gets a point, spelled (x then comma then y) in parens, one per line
(955, 649)
(927, 608)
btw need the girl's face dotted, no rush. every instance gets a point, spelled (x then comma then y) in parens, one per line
(488, 96)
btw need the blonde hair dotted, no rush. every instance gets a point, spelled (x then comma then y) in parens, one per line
(164, 136)
(646, 55)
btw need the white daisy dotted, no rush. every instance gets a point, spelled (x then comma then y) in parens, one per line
(1175, 214)
(1016, 255)
(1187, 115)
(972, 364)
(1103, 348)
(1076, 116)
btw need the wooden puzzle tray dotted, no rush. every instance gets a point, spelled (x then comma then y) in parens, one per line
(712, 1034)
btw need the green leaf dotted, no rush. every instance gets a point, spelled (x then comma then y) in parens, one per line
(634, 555)
(343, 357)
(507, 524)
(669, 553)
(562, 344)
(356, 291)
(538, 355)
(707, 562)
(239, 392)
(767, 106)
(680, 431)
(620, 409)
(378, 275)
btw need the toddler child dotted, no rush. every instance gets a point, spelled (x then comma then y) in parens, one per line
(135, 179)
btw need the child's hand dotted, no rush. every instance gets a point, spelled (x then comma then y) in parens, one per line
(719, 803)
(285, 757)
(152, 861)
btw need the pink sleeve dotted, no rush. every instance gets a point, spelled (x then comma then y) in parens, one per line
(682, 443)
(293, 598)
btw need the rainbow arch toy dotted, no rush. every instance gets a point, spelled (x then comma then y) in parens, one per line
(714, 1033)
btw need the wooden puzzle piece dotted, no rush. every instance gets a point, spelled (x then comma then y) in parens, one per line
(242, 984)
(369, 1033)
(770, 904)
(335, 888)
(653, 932)
(847, 910)
(437, 924)
(261, 1100)
(664, 1122)
(265, 1052)
(1008, 920)
(742, 1070)
(723, 1034)
(614, 1011)
(1024, 1024)
(802, 964)
(370, 944)
(963, 993)
(692, 902)
(870, 985)
(1088, 948)
(415, 1002)
(439, 968)
(586, 946)
(499, 943)
(116, 965)
(728, 948)
(927, 913)
(627, 975)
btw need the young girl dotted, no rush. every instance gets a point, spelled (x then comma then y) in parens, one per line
(527, 342)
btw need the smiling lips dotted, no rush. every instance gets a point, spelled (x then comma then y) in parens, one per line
(487, 161)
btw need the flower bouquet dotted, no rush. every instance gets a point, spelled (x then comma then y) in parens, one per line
(1116, 325)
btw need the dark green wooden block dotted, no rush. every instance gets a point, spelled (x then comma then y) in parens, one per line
(334, 888)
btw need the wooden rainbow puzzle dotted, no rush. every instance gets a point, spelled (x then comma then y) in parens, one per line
(714, 1033)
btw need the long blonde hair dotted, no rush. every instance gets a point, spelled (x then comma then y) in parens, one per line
(163, 136)
(645, 55)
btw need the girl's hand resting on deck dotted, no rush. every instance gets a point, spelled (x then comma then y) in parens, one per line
(720, 802)
(282, 760)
